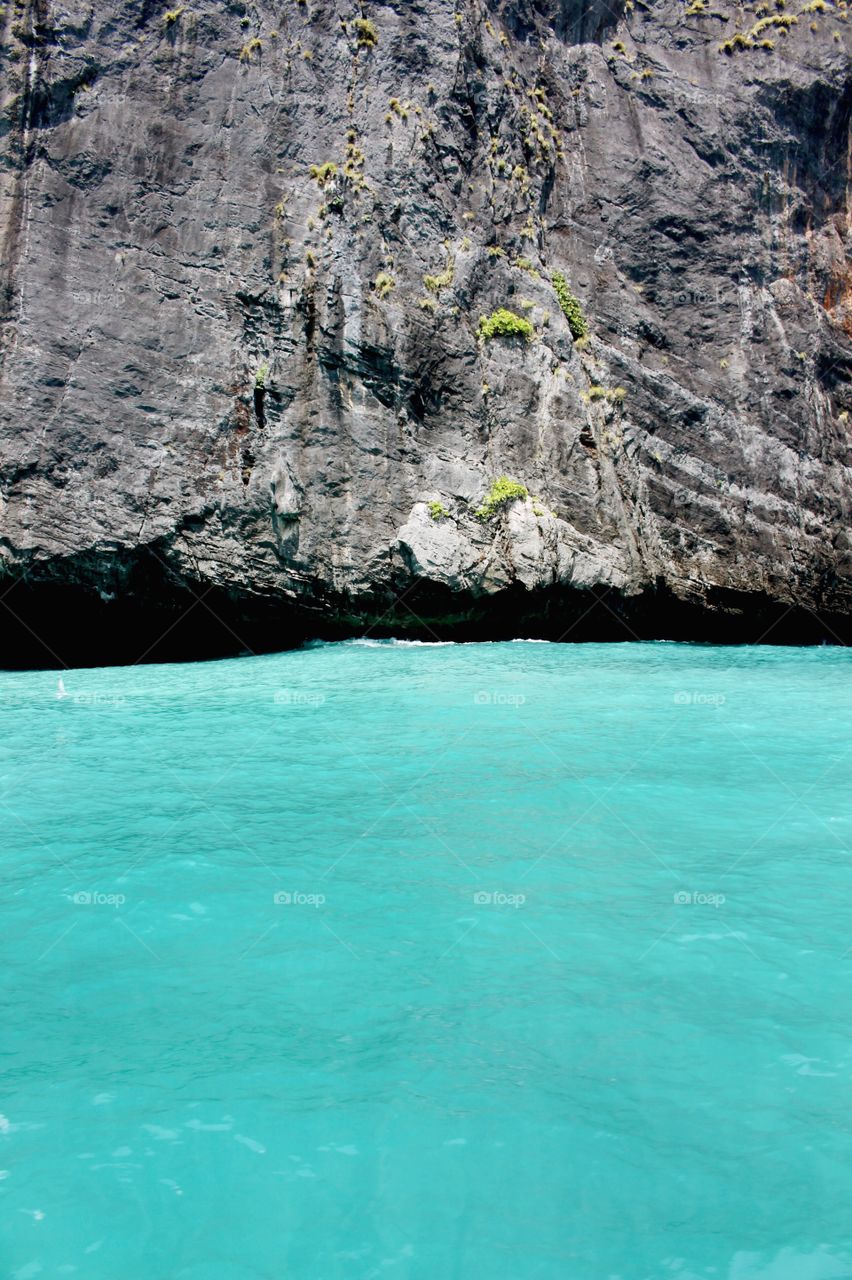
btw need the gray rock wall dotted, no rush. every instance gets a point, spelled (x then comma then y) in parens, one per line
(223, 376)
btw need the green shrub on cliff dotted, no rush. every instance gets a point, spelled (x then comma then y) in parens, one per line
(443, 281)
(503, 323)
(248, 50)
(502, 492)
(323, 173)
(367, 37)
(524, 264)
(615, 395)
(571, 308)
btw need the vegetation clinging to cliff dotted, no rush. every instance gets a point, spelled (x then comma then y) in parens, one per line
(367, 37)
(502, 492)
(570, 305)
(503, 323)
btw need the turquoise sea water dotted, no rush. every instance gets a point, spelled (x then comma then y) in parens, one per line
(488, 962)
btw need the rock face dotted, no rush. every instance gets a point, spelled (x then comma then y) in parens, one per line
(245, 253)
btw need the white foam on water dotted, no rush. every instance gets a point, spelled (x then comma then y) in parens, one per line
(424, 644)
(712, 937)
(251, 1144)
(790, 1264)
(369, 642)
(27, 1271)
(160, 1134)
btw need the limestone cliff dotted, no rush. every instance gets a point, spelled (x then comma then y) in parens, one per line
(245, 252)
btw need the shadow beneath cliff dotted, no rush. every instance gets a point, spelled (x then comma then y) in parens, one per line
(55, 626)
(570, 615)
(51, 625)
